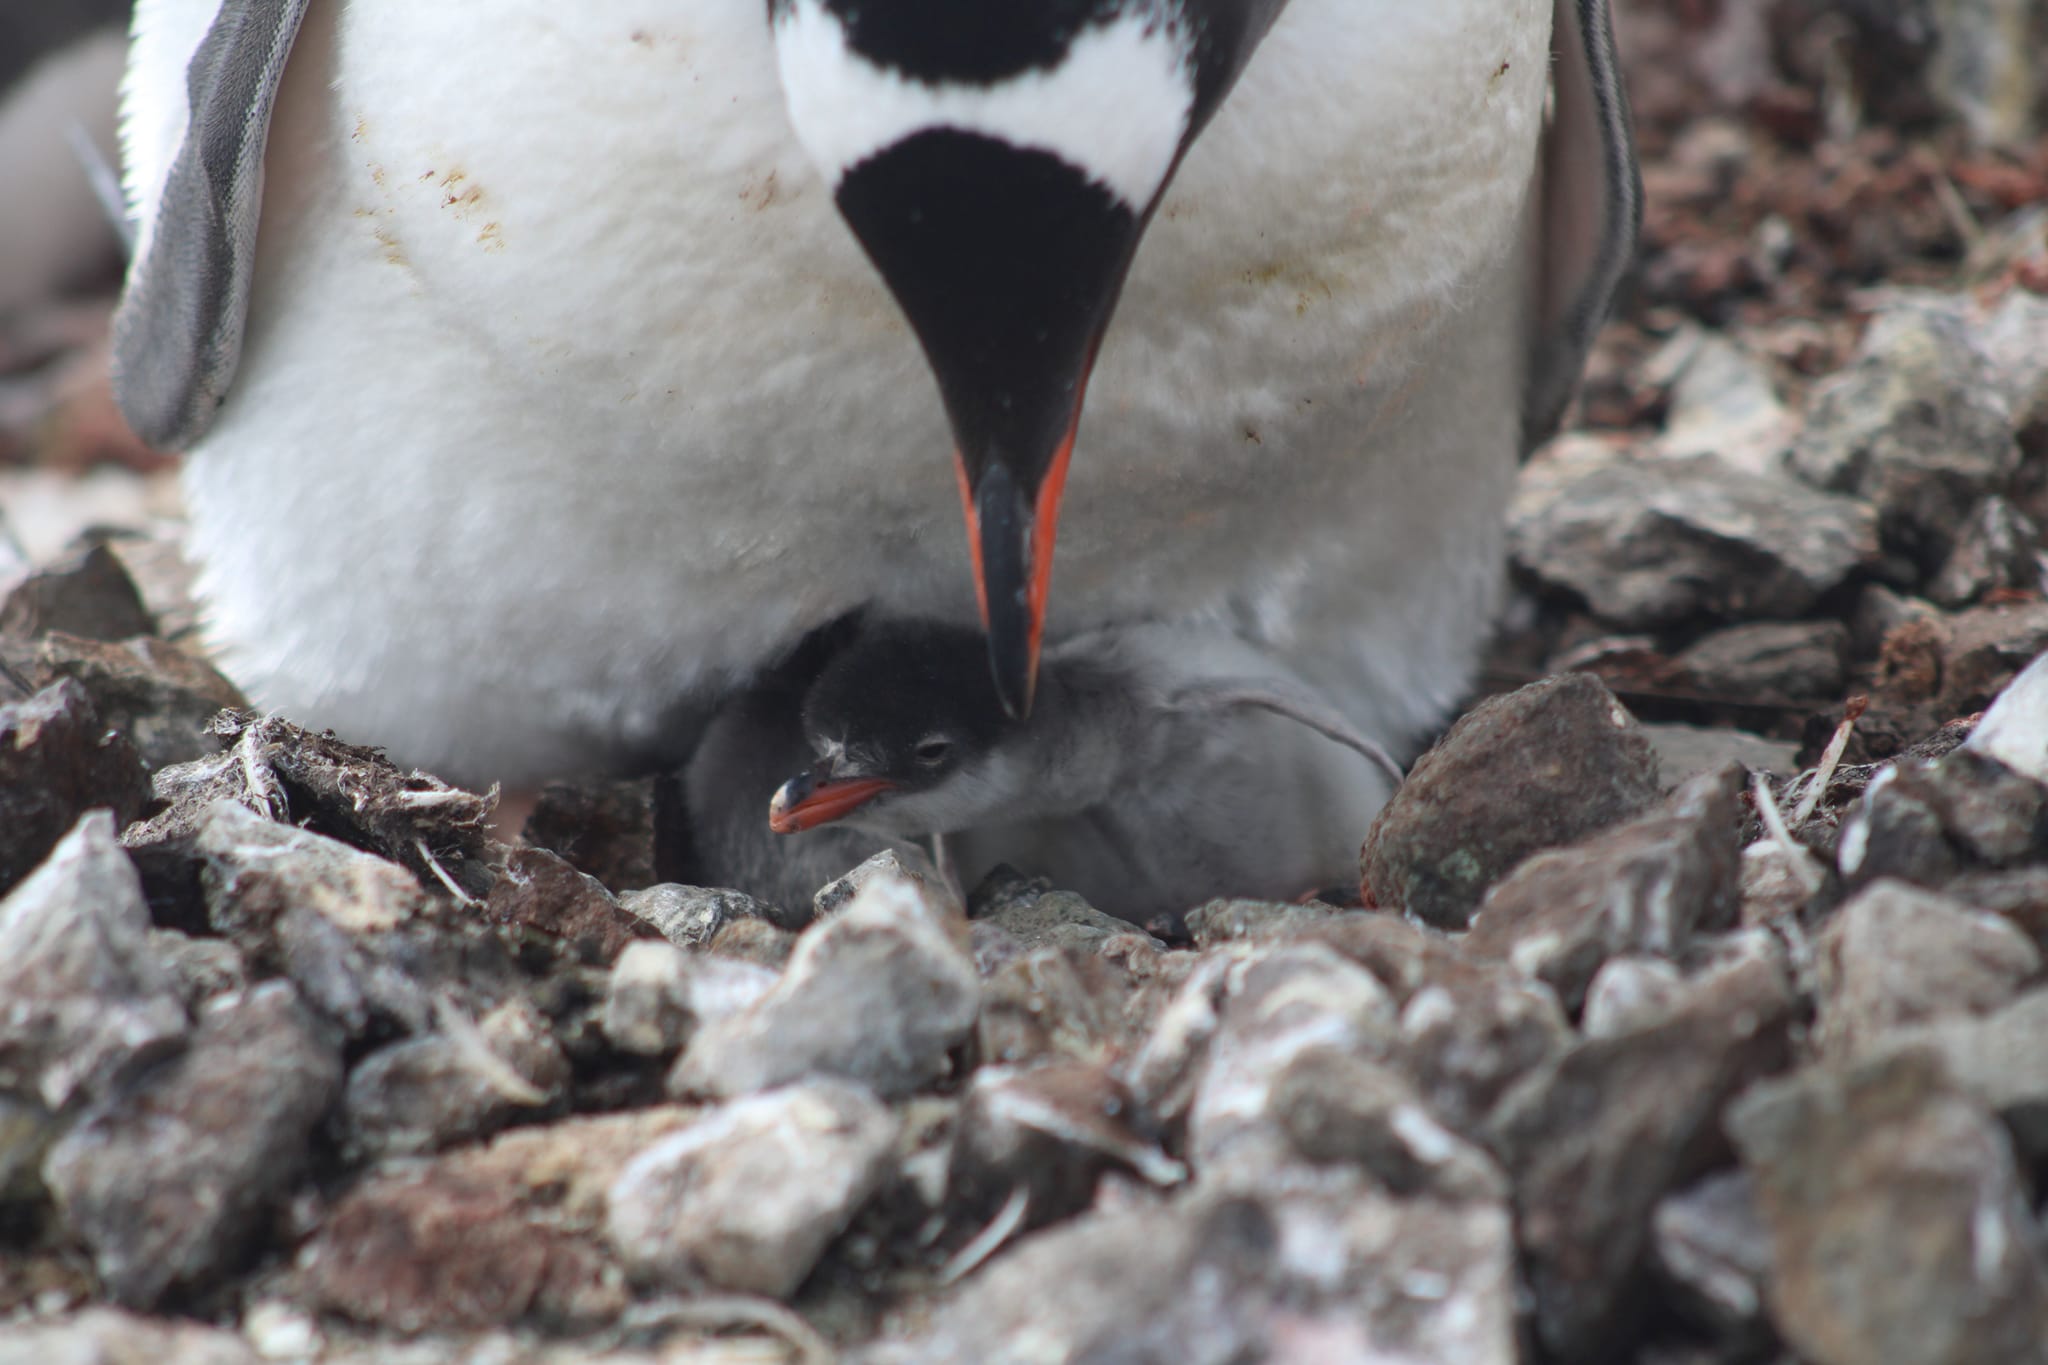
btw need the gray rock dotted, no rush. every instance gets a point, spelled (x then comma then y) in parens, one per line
(1925, 821)
(1778, 884)
(1596, 1139)
(1766, 660)
(879, 993)
(1895, 954)
(1686, 751)
(748, 1197)
(1651, 542)
(1052, 1003)
(1228, 921)
(691, 916)
(1039, 917)
(256, 871)
(108, 1336)
(1998, 549)
(57, 761)
(1337, 1107)
(658, 994)
(891, 864)
(2014, 730)
(1917, 427)
(1283, 1002)
(202, 967)
(1713, 1248)
(542, 892)
(86, 593)
(1644, 887)
(85, 997)
(1048, 1133)
(166, 1183)
(1630, 993)
(1471, 1034)
(467, 1081)
(1900, 1230)
(1539, 768)
(1335, 1272)
(1996, 1058)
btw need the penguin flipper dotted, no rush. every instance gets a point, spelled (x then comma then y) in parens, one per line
(1290, 703)
(1591, 210)
(178, 331)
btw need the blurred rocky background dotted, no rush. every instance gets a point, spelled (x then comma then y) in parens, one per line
(1691, 1013)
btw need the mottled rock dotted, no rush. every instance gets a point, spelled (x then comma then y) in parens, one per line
(1039, 917)
(1053, 1003)
(201, 967)
(257, 871)
(1229, 921)
(109, 1336)
(1336, 1274)
(1539, 768)
(86, 593)
(691, 916)
(1895, 954)
(1644, 887)
(1925, 821)
(1336, 1106)
(84, 996)
(748, 1196)
(658, 994)
(1284, 1002)
(1686, 751)
(1997, 550)
(1048, 1133)
(892, 865)
(1630, 993)
(603, 829)
(756, 941)
(1594, 1140)
(541, 891)
(484, 1236)
(880, 992)
(58, 760)
(1900, 1230)
(1649, 542)
(1472, 1033)
(1917, 427)
(1769, 660)
(1715, 1252)
(161, 697)
(1996, 1058)
(463, 1082)
(167, 1182)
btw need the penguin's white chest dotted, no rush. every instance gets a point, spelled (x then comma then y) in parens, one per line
(561, 362)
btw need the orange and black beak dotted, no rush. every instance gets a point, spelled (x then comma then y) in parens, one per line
(810, 799)
(1007, 262)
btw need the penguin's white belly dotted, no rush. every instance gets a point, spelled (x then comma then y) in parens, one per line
(566, 396)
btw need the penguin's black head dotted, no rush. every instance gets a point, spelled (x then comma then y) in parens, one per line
(901, 713)
(998, 160)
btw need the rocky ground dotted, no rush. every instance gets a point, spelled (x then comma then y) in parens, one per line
(1694, 1017)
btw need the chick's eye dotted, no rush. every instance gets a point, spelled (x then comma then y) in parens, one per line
(932, 750)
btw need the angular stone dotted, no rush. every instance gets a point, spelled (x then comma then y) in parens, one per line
(756, 941)
(1714, 1249)
(1996, 1058)
(57, 761)
(1895, 954)
(167, 1182)
(1644, 887)
(1686, 751)
(1630, 993)
(2014, 730)
(1596, 1139)
(87, 593)
(748, 1197)
(1652, 542)
(1472, 1033)
(1997, 550)
(1768, 660)
(541, 891)
(464, 1082)
(1228, 921)
(1916, 427)
(1539, 768)
(1338, 1107)
(484, 1236)
(658, 995)
(1900, 1229)
(1049, 1133)
(1040, 917)
(879, 993)
(1054, 1003)
(159, 696)
(1924, 822)
(257, 871)
(108, 1336)
(691, 916)
(84, 995)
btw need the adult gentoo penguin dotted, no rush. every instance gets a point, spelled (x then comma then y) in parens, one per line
(536, 390)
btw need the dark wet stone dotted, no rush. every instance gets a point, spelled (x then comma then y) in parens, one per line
(58, 760)
(159, 696)
(87, 593)
(540, 891)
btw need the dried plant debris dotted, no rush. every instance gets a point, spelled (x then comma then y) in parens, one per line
(1693, 1018)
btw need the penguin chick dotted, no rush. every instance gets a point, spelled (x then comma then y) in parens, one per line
(1162, 765)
